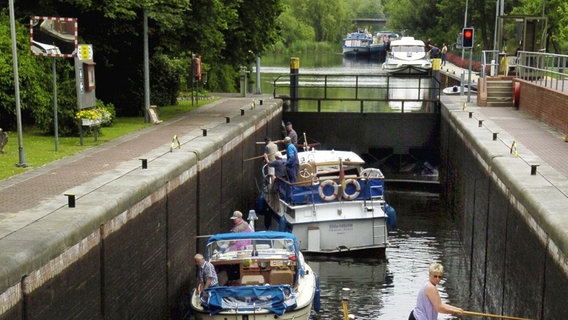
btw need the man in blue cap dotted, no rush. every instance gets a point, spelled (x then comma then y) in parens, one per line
(291, 133)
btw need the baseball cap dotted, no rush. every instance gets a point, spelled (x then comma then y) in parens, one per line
(267, 138)
(287, 139)
(237, 214)
(288, 123)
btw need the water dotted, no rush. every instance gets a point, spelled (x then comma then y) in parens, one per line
(342, 75)
(387, 289)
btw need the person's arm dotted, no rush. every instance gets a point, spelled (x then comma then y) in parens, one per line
(199, 288)
(434, 296)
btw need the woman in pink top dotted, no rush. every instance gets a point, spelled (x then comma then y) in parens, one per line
(429, 303)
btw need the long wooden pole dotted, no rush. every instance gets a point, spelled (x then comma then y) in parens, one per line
(480, 314)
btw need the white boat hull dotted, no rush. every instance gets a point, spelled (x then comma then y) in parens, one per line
(331, 228)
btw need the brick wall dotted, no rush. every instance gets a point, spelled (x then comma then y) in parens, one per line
(548, 105)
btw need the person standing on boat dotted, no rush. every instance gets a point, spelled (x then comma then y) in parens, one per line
(206, 276)
(444, 53)
(240, 224)
(291, 132)
(270, 150)
(429, 303)
(292, 161)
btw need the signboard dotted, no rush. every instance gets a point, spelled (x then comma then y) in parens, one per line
(53, 36)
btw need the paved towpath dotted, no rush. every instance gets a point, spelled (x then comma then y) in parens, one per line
(41, 190)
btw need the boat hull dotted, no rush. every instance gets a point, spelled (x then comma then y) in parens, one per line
(299, 314)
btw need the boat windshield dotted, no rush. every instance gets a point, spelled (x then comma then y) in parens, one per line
(240, 248)
(407, 49)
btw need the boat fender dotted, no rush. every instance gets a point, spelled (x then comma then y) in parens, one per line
(355, 194)
(391, 216)
(321, 190)
(282, 223)
(317, 295)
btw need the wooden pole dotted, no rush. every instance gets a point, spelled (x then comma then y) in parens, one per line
(480, 314)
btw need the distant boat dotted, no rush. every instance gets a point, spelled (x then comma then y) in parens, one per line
(357, 43)
(455, 90)
(382, 40)
(407, 56)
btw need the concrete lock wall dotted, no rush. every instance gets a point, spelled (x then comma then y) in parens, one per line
(126, 250)
(512, 222)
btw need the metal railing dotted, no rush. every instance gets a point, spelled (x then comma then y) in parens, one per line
(545, 69)
(403, 93)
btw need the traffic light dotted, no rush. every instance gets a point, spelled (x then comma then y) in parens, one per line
(467, 38)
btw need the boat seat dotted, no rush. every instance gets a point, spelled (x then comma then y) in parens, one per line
(252, 279)
(281, 277)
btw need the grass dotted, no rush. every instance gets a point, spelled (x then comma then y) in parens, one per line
(39, 149)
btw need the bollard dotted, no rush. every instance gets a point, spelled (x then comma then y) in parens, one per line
(533, 169)
(470, 115)
(70, 200)
(260, 101)
(204, 132)
(228, 119)
(242, 112)
(494, 136)
(480, 123)
(144, 163)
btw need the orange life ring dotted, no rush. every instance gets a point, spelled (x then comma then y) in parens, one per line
(355, 194)
(325, 184)
(516, 94)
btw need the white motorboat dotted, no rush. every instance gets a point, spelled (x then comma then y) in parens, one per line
(263, 277)
(336, 207)
(407, 56)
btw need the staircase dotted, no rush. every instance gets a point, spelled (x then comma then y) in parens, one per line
(500, 93)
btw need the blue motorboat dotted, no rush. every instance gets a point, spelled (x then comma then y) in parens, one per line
(336, 207)
(357, 43)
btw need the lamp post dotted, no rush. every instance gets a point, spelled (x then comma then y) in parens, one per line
(22, 160)
(465, 23)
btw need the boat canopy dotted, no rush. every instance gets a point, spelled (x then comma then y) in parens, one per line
(276, 298)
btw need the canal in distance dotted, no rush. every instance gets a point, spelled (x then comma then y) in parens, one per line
(386, 289)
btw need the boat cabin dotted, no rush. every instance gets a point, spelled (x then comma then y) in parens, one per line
(244, 261)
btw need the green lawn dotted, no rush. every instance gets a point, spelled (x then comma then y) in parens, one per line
(39, 149)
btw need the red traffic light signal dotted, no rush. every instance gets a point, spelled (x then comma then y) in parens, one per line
(467, 38)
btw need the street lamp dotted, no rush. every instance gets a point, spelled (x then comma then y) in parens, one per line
(22, 161)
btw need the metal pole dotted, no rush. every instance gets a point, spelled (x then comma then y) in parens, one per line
(469, 76)
(146, 70)
(464, 23)
(55, 122)
(258, 91)
(22, 157)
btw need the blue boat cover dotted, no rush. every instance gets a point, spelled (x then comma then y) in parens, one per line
(276, 298)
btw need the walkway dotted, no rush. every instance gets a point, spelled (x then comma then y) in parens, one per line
(41, 190)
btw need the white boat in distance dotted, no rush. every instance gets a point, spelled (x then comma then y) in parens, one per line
(337, 207)
(262, 275)
(407, 56)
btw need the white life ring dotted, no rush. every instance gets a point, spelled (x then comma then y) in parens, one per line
(324, 184)
(355, 194)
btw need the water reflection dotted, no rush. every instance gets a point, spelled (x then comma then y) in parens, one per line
(386, 289)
